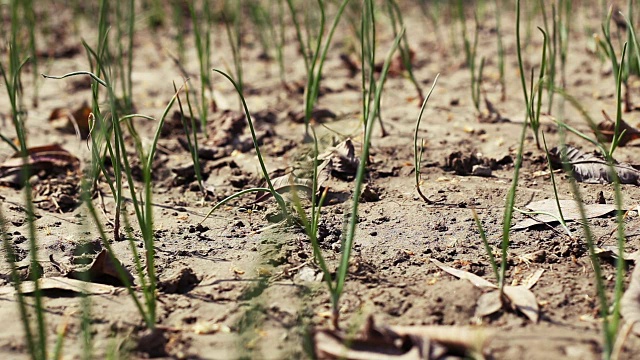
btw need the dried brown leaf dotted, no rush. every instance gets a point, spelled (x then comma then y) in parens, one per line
(400, 343)
(339, 161)
(523, 300)
(570, 212)
(606, 130)
(519, 297)
(461, 274)
(488, 303)
(471, 341)
(533, 279)
(593, 168)
(61, 286)
(284, 184)
(48, 158)
(72, 122)
(612, 252)
(103, 270)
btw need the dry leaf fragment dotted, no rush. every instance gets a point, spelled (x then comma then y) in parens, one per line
(103, 270)
(523, 300)
(61, 286)
(606, 130)
(612, 252)
(284, 184)
(488, 303)
(208, 327)
(461, 274)
(593, 168)
(518, 298)
(533, 279)
(72, 122)
(570, 212)
(339, 161)
(49, 159)
(400, 343)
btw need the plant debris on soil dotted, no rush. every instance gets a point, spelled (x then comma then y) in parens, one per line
(238, 285)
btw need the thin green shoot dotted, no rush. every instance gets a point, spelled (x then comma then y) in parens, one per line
(557, 218)
(202, 36)
(487, 247)
(533, 116)
(179, 16)
(311, 224)
(235, 41)
(634, 40)
(509, 208)
(280, 41)
(347, 244)
(551, 48)
(191, 132)
(125, 34)
(314, 63)
(501, 52)
(11, 259)
(617, 135)
(367, 58)
(620, 268)
(511, 195)
(619, 68)
(31, 25)
(59, 345)
(38, 349)
(419, 149)
(395, 14)
(265, 173)
(143, 211)
(301, 43)
(471, 53)
(553, 182)
(564, 23)
(535, 121)
(261, 19)
(609, 339)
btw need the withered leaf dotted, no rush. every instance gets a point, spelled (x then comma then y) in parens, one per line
(612, 252)
(61, 286)
(103, 270)
(593, 168)
(607, 127)
(523, 300)
(339, 161)
(284, 184)
(518, 298)
(401, 342)
(73, 122)
(461, 274)
(48, 158)
(570, 212)
(488, 303)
